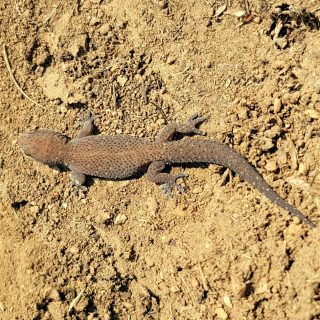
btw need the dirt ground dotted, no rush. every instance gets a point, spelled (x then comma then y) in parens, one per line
(122, 249)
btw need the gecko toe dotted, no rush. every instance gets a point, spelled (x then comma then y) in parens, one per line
(194, 116)
(197, 119)
(78, 189)
(169, 186)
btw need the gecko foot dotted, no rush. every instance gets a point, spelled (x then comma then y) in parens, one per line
(88, 116)
(87, 125)
(194, 121)
(77, 183)
(169, 186)
(79, 190)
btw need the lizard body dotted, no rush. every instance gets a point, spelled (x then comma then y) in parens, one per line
(121, 156)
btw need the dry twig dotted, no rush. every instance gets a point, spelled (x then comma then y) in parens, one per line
(6, 60)
(53, 11)
(75, 300)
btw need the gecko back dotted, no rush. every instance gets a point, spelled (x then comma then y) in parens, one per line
(113, 157)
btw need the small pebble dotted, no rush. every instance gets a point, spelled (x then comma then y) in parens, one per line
(41, 58)
(92, 270)
(238, 288)
(171, 60)
(221, 314)
(55, 308)
(122, 80)
(305, 98)
(296, 220)
(76, 98)
(82, 304)
(127, 305)
(152, 205)
(227, 301)
(74, 250)
(174, 289)
(271, 166)
(94, 21)
(302, 168)
(277, 105)
(272, 132)
(266, 144)
(243, 113)
(120, 219)
(262, 286)
(276, 9)
(104, 216)
(122, 24)
(294, 230)
(91, 316)
(54, 295)
(105, 29)
(161, 122)
(162, 4)
(281, 42)
(63, 109)
(179, 212)
(64, 205)
(220, 10)
(78, 43)
(197, 190)
(257, 20)
(313, 114)
(56, 102)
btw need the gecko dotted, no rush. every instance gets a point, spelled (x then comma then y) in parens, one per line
(122, 156)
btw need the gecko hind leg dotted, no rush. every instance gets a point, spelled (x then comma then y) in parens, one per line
(189, 127)
(166, 181)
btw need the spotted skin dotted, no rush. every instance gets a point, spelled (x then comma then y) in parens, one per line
(122, 156)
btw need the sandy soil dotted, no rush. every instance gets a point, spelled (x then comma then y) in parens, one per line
(123, 250)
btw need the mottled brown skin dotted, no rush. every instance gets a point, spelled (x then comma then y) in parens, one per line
(121, 156)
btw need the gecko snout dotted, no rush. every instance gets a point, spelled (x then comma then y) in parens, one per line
(25, 143)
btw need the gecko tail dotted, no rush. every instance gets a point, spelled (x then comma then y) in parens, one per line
(264, 188)
(218, 153)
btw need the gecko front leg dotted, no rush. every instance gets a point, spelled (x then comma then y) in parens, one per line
(189, 127)
(87, 126)
(78, 179)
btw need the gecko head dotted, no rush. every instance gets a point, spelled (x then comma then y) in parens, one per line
(43, 145)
